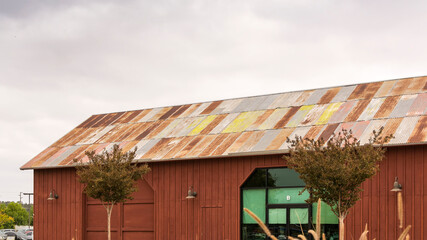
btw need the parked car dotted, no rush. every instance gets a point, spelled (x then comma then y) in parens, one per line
(28, 235)
(3, 233)
(13, 234)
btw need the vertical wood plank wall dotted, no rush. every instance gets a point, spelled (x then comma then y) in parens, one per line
(61, 218)
(217, 182)
(378, 205)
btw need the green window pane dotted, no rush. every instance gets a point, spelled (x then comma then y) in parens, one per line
(287, 196)
(277, 216)
(257, 179)
(283, 177)
(326, 214)
(299, 215)
(254, 200)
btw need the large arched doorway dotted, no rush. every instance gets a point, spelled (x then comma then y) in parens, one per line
(131, 220)
(273, 194)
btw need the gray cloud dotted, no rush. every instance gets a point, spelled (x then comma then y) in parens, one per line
(61, 61)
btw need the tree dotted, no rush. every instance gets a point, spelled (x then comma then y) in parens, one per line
(110, 177)
(335, 170)
(18, 213)
(6, 221)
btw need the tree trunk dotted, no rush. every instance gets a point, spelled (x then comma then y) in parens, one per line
(109, 211)
(342, 228)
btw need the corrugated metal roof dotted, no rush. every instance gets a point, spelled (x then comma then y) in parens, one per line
(251, 125)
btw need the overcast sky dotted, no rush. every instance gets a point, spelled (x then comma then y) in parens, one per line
(62, 61)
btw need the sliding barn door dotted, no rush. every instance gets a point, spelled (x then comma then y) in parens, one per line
(131, 220)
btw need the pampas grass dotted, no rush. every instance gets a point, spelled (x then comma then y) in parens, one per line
(260, 223)
(314, 234)
(364, 235)
(318, 217)
(405, 233)
(400, 209)
(302, 237)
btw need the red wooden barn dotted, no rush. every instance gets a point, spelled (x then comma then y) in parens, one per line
(230, 153)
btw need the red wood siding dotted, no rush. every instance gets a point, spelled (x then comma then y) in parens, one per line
(133, 219)
(61, 218)
(217, 183)
(378, 206)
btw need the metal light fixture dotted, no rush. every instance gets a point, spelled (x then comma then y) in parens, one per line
(191, 193)
(397, 187)
(52, 195)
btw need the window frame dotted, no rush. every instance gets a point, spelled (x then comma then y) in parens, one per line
(271, 206)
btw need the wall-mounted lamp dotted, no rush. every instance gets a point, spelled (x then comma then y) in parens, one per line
(52, 195)
(191, 193)
(397, 187)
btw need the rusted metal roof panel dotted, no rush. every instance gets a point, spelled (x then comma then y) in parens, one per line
(251, 141)
(243, 121)
(204, 143)
(219, 139)
(169, 113)
(180, 111)
(371, 109)
(314, 132)
(138, 117)
(267, 102)
(329, 95)
(302, 98)
(409, 86)
(359, 128)
(274, 117)
(144, 146)
(260, 120)
(343, 94)
(405, 129)
(203, 124)
(419, 134)
(298, 132)
(191, 144)
(286, 118)
(373, 126)
(266, 140)
(313, 115)
(280, 139)
(211, 107)
(163, 125)
(227, 120)
(299, 116)
(200, 109)
(222, 148)
(227, 106)
(177, 147)
(330, 111)
(403, 106)
(150, 114)
(385, 89)
(365, 91)
(190, 110)
(328, 131)
(212, 125)
(248, 104)
(356, 111)
(387, 107)
(240, 141)
(284, 100)
(250, 125)
(315, 97)
(187, 128)
(419, 106)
